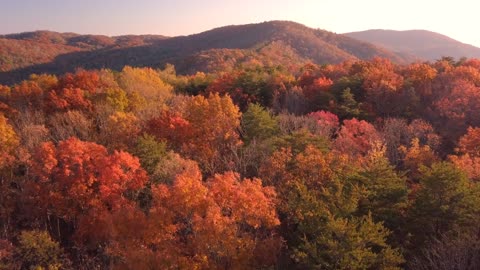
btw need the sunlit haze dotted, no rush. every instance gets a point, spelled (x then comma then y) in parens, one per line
(456, 19)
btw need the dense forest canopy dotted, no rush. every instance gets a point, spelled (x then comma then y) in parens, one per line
(356, 165)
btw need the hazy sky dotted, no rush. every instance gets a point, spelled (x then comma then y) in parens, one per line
(457, 19)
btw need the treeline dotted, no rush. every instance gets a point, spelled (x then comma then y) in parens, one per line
(361, 165)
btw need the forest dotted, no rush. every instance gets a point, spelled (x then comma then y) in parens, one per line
(365, 164)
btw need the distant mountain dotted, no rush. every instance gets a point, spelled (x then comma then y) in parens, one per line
(40, 47)
(418, 43)
(268, 43)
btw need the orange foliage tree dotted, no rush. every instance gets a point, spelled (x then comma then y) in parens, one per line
(78, 181)
(468, 158)
(205, 131)
(224, 222)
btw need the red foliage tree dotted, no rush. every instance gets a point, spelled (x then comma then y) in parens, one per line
(77, 181)
(460, 107)
(327, 121)
(356, 138)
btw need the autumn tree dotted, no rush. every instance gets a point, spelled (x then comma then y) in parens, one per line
(30, 94)
(120, 131)
(458, 108)
(470, 142)
(382, 85)
(420, 76)
(318, 93)
(416, 156)
(328, 123)
(146, 91)
(399, 135)
(204, 130)
(77, 182)
(73, 92)
(356, 138)
(224, 222)
(468, 154)
(85, 80)
(8, 142)
(37, 250)
(63, 125)
(6, 255)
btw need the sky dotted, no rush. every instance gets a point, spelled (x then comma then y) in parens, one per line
(456, 19)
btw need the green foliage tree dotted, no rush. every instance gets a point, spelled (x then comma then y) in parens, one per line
(385, 191)
(258, 123)
(348, 107)
(323, 222)
(328, 236)
(150, 152)
(446, 202)
(37, 251)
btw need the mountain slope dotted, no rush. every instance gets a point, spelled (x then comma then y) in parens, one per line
(41, 47)
(419, 43)
(268, 43)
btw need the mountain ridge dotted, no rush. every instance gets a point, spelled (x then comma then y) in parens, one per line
(223, 48)
(424, 44)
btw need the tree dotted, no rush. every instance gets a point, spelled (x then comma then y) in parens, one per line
(30, 94)
(328, 236)
(214, 122)
(72, 92)
(420, 76)
(318, 93)
(63, 125)
(470, 142)
(85, 80)
(385, 195)
(257, 123)
(447, 252)
(417, 156)
(348, 107)
(149, 151)
(468, 164)
(468, 158)
(458, 108)
(78, 181)
(6, 255)
(324, 222)
(446, 202)
(120, 131)
(146, 91)
(382, 85)
(356, 138)
(8, 142)
(327, 122)
(224, 222)
(37, 250)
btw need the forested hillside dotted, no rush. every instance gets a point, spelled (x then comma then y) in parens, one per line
(356, 165)
(226, 48)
